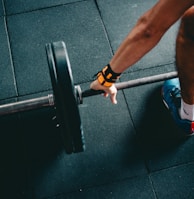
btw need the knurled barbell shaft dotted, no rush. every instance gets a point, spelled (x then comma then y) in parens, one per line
(26, 105)
(133, 83)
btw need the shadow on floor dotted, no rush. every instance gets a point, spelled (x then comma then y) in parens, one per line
(25, 139)
(157, 132)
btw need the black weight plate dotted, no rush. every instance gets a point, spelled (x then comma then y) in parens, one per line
(68, 96)
(66, 103)
(68, 142)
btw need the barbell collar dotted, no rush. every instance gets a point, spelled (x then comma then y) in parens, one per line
(26, 105)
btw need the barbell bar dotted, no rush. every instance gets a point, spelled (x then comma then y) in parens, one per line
(130, 84)
(66, 96)
(47, 101)
(26, 105)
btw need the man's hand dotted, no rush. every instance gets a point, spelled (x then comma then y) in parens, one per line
(112, 91)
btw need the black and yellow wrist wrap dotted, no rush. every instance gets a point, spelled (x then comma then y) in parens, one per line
(107, 77)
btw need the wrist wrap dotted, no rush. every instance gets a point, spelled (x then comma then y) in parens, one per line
(107, 77)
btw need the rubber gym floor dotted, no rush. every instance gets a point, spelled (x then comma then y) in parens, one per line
(133, 149)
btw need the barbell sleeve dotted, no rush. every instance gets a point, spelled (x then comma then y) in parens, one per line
(26, 105)
(134, 83)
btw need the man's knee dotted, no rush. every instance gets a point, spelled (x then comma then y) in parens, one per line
(187, 24)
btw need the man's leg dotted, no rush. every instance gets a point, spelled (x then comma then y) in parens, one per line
(185, 63)
(178, 93)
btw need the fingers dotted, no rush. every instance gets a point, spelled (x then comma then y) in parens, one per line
(113, 94)
(112, 91)
(113, 98)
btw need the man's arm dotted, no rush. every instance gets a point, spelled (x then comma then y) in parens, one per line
(144, 36)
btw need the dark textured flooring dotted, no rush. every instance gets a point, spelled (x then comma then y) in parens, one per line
(133, 149)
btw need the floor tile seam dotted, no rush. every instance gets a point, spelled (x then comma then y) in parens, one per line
(130, 114)
(9, 49)
(104, 27)
(148, 68)
(153, 188)
(128, 72)
(171, 167)
(129, 110)
(10, 52)
(50, 91)
(151, 179)
(29, 96)
(88, 187)
(3, 4)
(40, 9)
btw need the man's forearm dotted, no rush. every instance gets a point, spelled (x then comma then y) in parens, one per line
(139, 41)
(131, 50)
(147, 33)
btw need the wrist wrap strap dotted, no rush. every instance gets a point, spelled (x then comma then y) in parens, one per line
(107, 77)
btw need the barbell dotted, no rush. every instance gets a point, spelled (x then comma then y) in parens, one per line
(66, 96)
